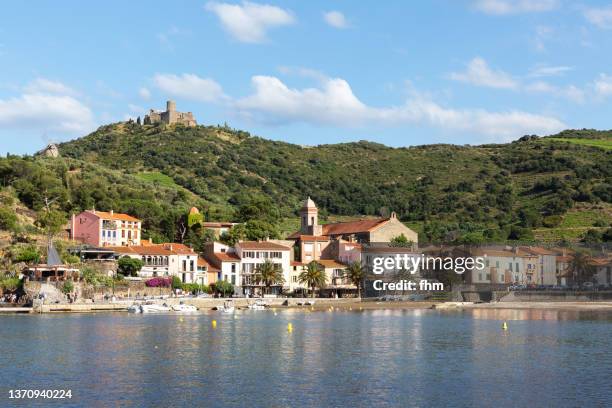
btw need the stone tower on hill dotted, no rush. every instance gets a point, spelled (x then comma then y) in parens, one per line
(170, 116)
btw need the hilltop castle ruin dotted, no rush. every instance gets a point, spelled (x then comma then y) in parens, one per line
(170, 116)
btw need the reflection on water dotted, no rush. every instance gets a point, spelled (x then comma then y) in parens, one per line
(408, 358)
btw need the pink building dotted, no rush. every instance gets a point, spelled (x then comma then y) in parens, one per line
(100, 228)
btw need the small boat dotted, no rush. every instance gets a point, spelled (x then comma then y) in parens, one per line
(309, 303)
(134, 309)
(155, 308)
(258, 305)
(183, 308)
(228, 307)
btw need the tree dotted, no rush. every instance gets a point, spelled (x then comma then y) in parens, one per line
(593, 236)
(579, 268)
(52, 221)
(224, 287)
(401, 241)
(129, 266)
(313, 276)
(355, 273)
(270, 274)
(8, 219)
(28, 255)
(68, 287)
(176, 282)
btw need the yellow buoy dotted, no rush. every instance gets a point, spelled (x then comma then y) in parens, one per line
(214, 324)
(504, 326)
(289, 327)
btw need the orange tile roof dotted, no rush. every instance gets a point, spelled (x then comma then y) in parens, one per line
(114, 216)
(330, 263)
(142, 250)
(225, 257)
(262, 245)
(353, 227)
(538, 250)
(302, 237)
(600, 261)
(497, 252)
(343, 228)
(566, 258)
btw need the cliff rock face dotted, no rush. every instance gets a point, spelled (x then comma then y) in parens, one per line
(50, 151)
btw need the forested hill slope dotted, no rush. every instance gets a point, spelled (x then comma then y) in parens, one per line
(487, 191)
(525, 181)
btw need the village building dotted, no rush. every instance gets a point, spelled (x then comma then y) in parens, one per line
(314, 241)
(101, 228)
(170, 116)
(602, 271)
(238, 265)
(546, 264)
(504, 267)
(168, 259)
(218, 228)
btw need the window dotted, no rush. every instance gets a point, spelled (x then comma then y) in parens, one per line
(191, 265)
(233, 279)
(487, 263)
(311, 220)
(294, 279)
(122, 233)
(501, 278)
(184, 265)
(510, 265)
(488, 276)
(480, 276)
(517, 267)
(497, 264)
(233, 268)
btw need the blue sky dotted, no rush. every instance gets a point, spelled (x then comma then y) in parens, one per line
(308, 72)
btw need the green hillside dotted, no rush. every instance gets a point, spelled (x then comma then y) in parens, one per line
(469, 193)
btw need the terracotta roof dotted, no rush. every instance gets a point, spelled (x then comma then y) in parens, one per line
(262, 245)
(389, 250)
(114, 216)
(566, 258)
(538, 250)
(296, 263)
(302, 237)
(225, 257)
(498, 252)
(142, 250)
(203, 262)
(353, 227)
(343, 228)
(600, 261)
(330, 263)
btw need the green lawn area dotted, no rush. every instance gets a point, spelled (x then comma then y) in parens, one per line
(602, 143)
(157, 178)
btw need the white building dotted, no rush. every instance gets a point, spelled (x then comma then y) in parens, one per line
(170, 259)
(238, 264)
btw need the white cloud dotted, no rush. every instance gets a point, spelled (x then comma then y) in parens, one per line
(479, 73)
(144, 93)
(505, 7)
(249, 22)
(603, 85)
(545, 70)
(189, 86)
(334, 103)
(600, 17)
(46, 112)
(43, 85)
(335, 19)
(569, 92)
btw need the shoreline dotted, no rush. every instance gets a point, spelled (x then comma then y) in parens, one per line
(322, 305)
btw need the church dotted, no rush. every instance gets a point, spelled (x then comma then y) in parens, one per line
(342, 241)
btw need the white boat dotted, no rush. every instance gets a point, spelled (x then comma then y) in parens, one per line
(258, 305)
(183, 308)
(309, 303)
(155, 308)
(228, 307)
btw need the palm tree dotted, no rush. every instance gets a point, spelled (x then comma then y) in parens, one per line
(313, 276)
(355, 274)
(269, 273)
(579, 267)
